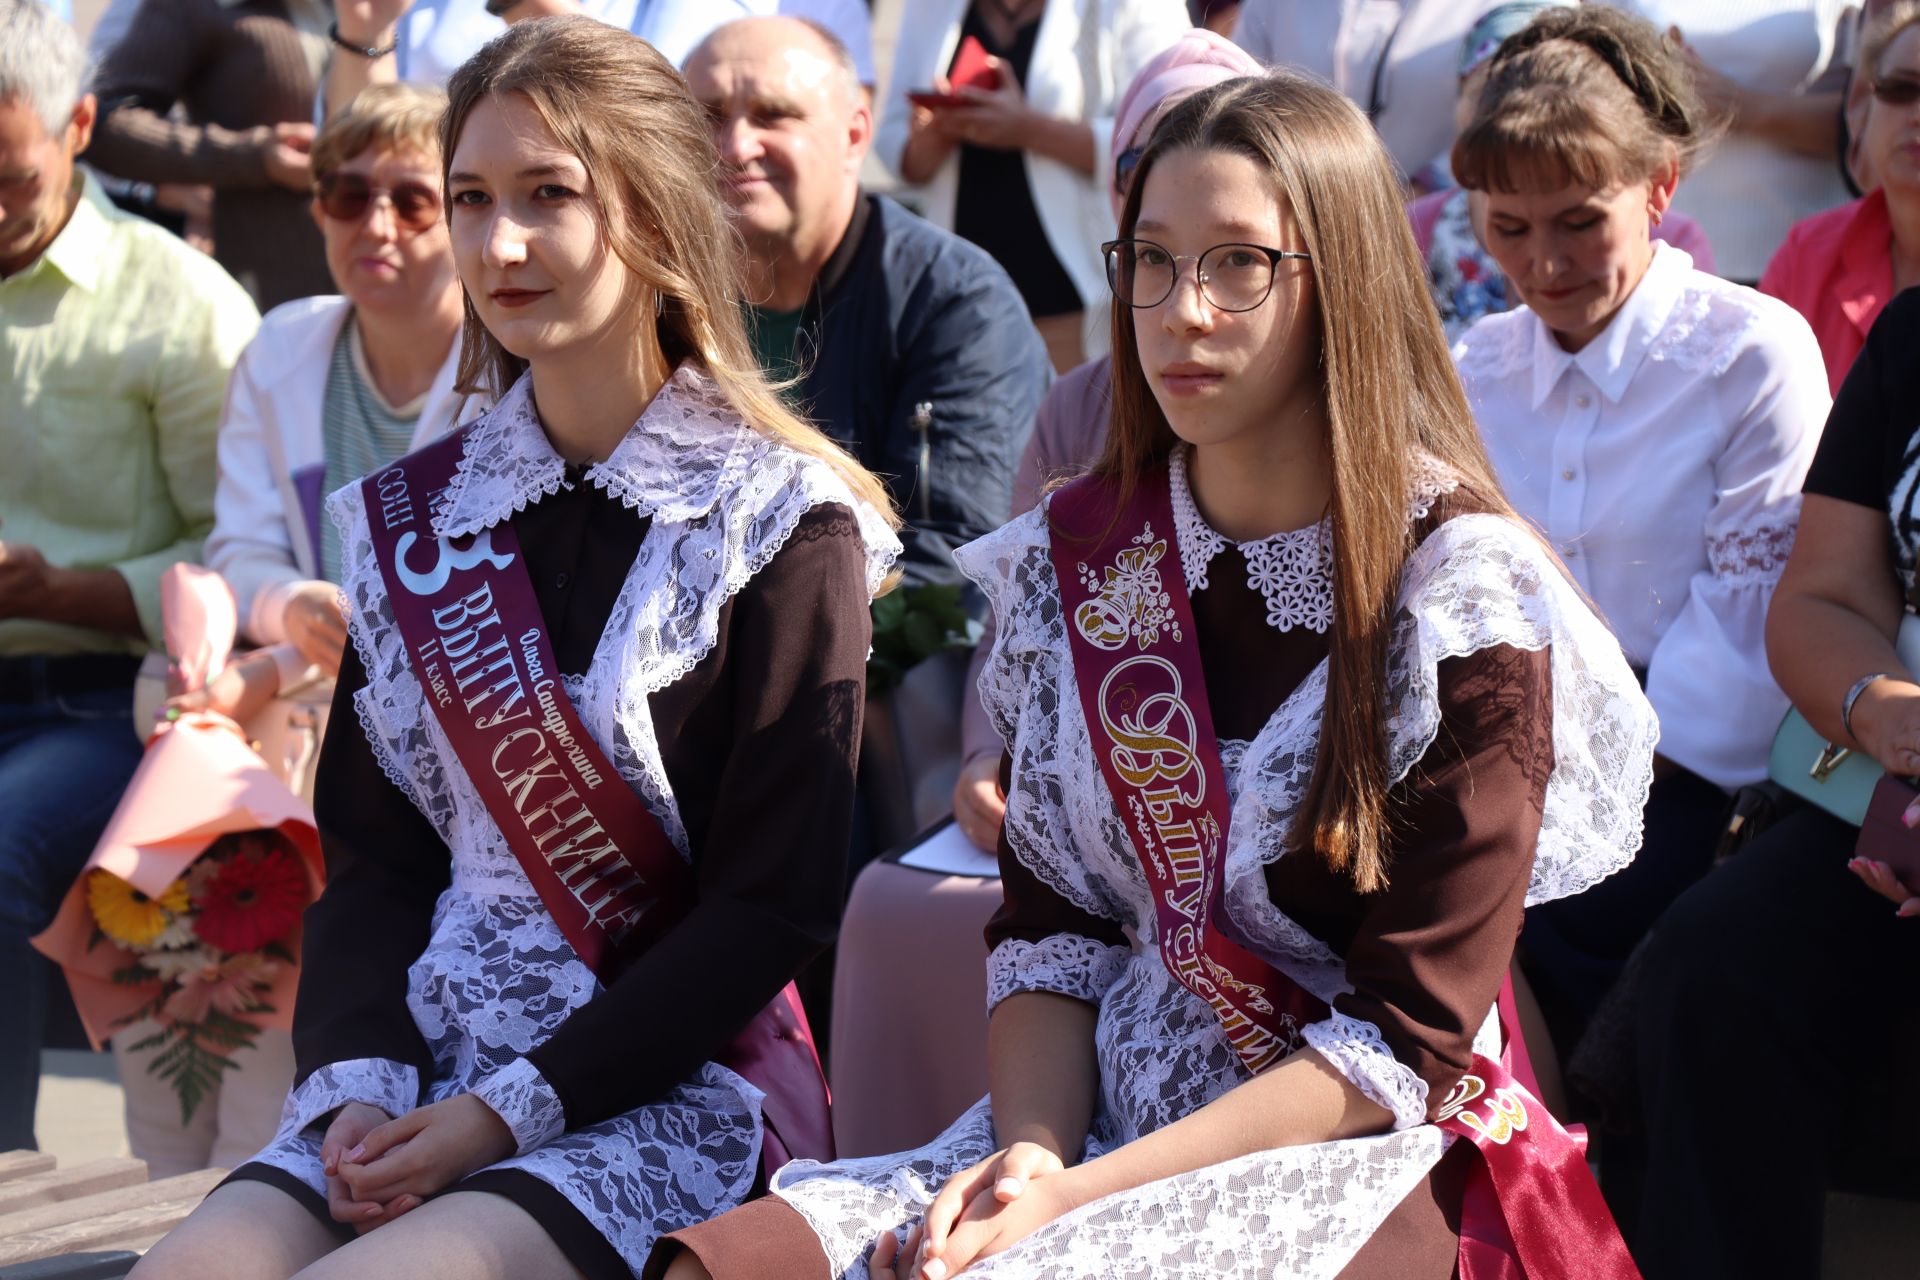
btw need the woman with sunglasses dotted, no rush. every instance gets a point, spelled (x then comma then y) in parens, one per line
(336, 387)
(1394, 724)
(1839, 268)
(1654, 421)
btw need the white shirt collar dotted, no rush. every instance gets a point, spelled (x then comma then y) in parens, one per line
(1614, 356)
(685, 452)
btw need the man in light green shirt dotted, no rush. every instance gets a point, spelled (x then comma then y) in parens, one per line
(116, 341)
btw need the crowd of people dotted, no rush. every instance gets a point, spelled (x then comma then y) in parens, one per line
(1405, 462)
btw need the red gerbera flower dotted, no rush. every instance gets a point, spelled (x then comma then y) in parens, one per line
(255, 895)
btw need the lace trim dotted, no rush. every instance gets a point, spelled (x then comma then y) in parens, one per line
(394, 1087)
(506, 464)
(1357, 1051)
(1477, 581)
(521, 1096)
(1755, 554)
(1292, 570)
(665, 620)
(1498, 346)
(1066, 964)
(1705, 331)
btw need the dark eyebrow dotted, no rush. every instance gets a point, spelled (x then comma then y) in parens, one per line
(1232, 227)
(532, 171)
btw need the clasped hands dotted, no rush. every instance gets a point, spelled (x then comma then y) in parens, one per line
(980, 1212)
(378, 1168)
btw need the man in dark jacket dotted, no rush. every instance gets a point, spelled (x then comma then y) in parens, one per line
(912, 347)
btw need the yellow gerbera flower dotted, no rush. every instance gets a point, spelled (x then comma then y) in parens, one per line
(129, 916)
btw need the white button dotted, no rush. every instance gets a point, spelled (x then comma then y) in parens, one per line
(1582, 400)
(1567, 474)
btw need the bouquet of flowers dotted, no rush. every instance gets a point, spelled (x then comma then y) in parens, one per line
(188, 912)
(205, 953)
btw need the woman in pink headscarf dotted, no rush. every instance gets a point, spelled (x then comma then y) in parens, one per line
(1072, 422)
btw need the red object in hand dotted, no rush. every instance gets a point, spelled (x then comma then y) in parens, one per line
(971, 69)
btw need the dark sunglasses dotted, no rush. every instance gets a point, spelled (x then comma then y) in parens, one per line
(346, 197)
(1897, 91)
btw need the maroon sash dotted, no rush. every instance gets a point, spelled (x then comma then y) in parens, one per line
(599, 860)
(1531, 1207)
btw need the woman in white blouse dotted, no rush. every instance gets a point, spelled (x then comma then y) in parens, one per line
(1654, 421)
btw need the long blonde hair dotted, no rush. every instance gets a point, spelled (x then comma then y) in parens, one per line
(1389, 390)
(626, 114)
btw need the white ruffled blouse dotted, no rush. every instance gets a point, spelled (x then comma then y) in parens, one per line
(1663, 461)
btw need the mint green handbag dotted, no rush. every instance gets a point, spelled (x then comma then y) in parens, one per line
(1837, 779)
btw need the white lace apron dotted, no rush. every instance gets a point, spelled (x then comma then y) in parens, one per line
(497, 978)
(1304, 1211)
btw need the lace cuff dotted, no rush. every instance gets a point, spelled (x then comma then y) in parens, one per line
(1065, 964)
(391, 1086)
(1357, 1051)
(521, 1096)
(1752, 554)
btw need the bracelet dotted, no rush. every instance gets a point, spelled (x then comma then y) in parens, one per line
(367, 51)
(1853, 696)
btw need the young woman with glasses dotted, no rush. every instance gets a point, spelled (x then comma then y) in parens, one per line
(1414, 724)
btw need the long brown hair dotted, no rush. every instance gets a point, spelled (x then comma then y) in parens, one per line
(1389, 389)
(622, 109)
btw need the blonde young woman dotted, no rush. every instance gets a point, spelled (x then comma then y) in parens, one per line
(480, 1092)
(1417, 728)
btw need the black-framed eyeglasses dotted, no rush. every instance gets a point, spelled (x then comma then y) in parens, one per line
(1124, 165)
(1897, 90)
(1232, 277)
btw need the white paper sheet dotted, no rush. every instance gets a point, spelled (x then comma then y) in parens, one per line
(948, 852)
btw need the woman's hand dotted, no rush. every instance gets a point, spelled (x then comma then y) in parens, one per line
(369, 23)
(315, 626)
(974, 1216)
(236, 691)
(980, 1212)
(998, 117)
(426, 1150)
(979, 806)
(928, 145)
(1886, 721)
(1880, 878)
(350, 1127)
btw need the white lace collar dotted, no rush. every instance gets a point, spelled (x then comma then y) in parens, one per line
(675, 463)
(1292, 571)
